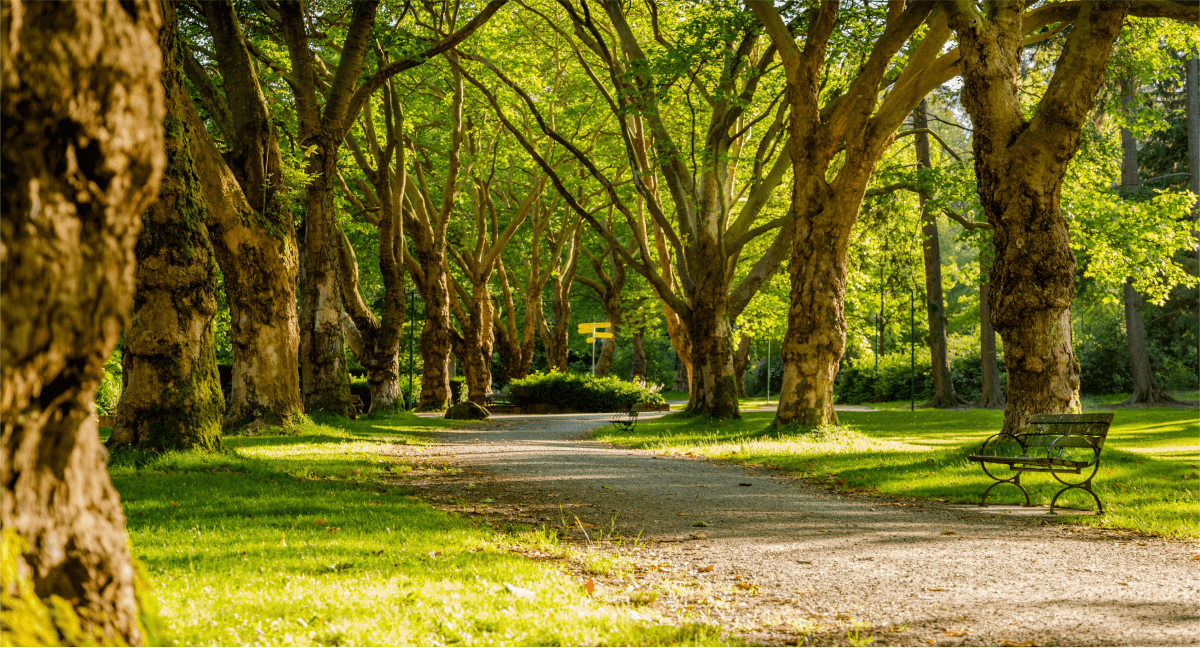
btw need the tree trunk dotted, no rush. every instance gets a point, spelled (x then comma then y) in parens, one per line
(477, 343)
(943, 385)
(1019, 166)
(680, 382)
(251, 231)
(259, 264)
(637, 367)
(172, 398)
(324, 377)
(556, 340)
(816, 333)
(991, 396)
(713, 390)
(435, 333)
(81, 108)
(740, 359)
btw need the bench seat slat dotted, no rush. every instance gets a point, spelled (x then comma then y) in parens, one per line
(1032, 461)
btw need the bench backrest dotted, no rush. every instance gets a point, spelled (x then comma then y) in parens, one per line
(1045, 428)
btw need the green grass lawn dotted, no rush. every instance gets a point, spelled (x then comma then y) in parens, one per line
(311, 539)
(1148, 477)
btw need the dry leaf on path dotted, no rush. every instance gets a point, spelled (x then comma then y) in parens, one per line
(590, 586)
(949, 533)
(707, 569)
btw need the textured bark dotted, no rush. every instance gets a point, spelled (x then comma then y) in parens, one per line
(826, 210)
(1146, 390)
(680, 382)
(324, 378)
(435, 332)
(1019, 166)
(81, 110)
(991, 395)
(713, 384)
(556, 339)
(935, 310)
(172, 397)
(250, 228)
(637, 366)
(259, 263)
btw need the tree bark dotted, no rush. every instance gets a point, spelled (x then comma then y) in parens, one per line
(172, 397)
(637, 367)
(991, 396)
(81, 110)
(258, 261)
(1019, 166)
(935, 310)
(1146, 390)
(251, 229)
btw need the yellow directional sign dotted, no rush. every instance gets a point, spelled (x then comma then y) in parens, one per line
(590, 340)
(592, 326)
(603, 336)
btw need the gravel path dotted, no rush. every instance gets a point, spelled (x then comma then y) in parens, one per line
(781, 562)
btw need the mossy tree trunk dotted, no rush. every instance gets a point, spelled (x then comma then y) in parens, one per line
(172, 398)
(1019, 168)
(81, 109)
(250, 228)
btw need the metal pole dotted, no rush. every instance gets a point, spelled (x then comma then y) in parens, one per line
(593, 353)
(768, 369)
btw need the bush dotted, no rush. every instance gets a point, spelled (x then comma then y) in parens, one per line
(581, 392)
(891, 381)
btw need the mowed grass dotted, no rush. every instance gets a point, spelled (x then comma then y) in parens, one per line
(1148, 478)
(312, 539)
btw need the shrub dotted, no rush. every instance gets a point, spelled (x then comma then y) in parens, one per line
(581, 392)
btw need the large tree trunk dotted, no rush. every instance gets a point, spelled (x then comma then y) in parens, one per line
(1019, 167)
(435, 333)
(680, 381)
(816, 333)
(259, 265)
(172, 398)
(251, 230)
(557, 339)
(82, 108)
(943, 385)
(1146, 390)
(991, 396)
(324, 377)
(713, 390)
(477, 343)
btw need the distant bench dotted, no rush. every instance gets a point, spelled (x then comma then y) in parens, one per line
(1063, 444)
(626, 420)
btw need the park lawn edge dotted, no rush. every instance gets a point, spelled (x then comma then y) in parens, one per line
(311, 538)
(1148, 478)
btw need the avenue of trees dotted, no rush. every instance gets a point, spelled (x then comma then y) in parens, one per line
(297, 180)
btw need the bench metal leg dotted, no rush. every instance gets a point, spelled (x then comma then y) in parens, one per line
(1085, 486)
(1014, 480)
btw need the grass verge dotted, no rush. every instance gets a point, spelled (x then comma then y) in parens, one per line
(1148, 476)
(311, 539)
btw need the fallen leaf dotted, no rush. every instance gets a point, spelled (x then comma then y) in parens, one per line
(519, 592)
(320, 522)
(589, 586)
(605, 486)
(332, 529)
(1196, 557)
(174, 503)
(949, 533)
(699, 523)
(707, 569)
(935, 589)
(1122, 583)
(1023, 643)
(682, 514)
(744, 484)
(377, 502)
(745, 586)
(282, 542)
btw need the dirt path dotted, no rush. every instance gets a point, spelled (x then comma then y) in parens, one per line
(781, 562)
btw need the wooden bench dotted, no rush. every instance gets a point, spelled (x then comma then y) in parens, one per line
(626, 420)
(1060, 444)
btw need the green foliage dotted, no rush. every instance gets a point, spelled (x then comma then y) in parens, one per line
(1147, 480)
(581, 392)
(108, 394)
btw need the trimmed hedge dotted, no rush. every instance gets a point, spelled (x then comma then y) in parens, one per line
(581, 392)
